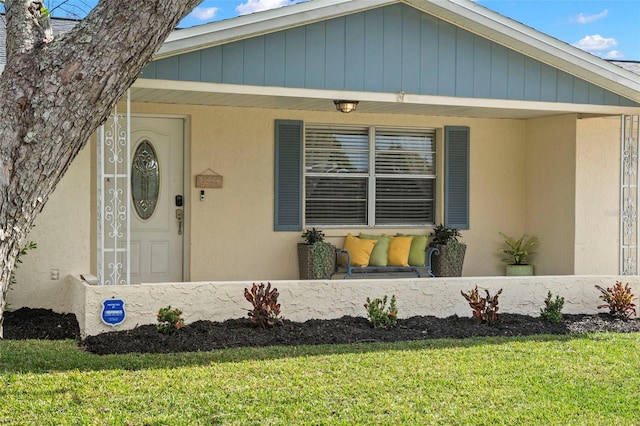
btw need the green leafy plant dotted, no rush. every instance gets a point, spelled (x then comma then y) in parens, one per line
(552, 311)
(619, 300)
(169, 320)
(266, 309)
(516, 251)
(485, 309)
(443, 235)
(381, 316)
(312, 236)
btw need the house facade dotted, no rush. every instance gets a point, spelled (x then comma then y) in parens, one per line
(233, 145)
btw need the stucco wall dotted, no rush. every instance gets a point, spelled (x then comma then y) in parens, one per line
(303, 300)
(232, 235)
(550, 189)
(524, 175)
(597, 196)
(63, 237)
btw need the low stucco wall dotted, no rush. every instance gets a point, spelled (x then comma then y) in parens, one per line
(303, 300)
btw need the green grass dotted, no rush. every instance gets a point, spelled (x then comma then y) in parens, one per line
(546, 380)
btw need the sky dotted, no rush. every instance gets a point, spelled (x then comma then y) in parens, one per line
(608, 29)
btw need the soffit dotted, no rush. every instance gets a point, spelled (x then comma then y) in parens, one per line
(372, 104)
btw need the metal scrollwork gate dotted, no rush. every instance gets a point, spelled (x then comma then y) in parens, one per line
(629, 195)
(113, 197)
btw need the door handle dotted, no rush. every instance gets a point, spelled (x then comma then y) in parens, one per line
(179, 217)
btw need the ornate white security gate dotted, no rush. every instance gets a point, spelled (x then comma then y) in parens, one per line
(629, 195)
(113, 197)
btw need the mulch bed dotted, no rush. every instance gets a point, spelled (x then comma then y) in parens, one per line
(208, 335)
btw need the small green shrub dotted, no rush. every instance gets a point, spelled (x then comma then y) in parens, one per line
(552, 311)
(381, 316)
(266, 309)
(169, 320)
(485, 309)
(619, 300)
(312, 236)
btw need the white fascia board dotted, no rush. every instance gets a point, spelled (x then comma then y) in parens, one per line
(530, 42)
(216, 33)
(395, 98)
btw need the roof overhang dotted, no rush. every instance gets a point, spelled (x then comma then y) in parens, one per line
(215, 94)
(462, 13)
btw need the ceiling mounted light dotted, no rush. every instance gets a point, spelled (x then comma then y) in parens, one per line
(346, 106)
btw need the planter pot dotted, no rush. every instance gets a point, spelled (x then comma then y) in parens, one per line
(448, 263)
(518, 270)
(306, 263)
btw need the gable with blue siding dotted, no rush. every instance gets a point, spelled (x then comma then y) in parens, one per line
(390, 49)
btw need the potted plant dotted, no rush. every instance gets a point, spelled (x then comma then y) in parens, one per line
(316, 257)
(516, 252)
(449, 262)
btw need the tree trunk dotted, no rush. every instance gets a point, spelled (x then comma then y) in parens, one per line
(55, 93)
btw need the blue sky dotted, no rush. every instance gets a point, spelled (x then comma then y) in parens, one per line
(609, 29)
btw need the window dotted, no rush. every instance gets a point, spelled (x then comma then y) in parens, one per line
(369, 176)
(337, 174)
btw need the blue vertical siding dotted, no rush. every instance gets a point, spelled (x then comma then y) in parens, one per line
(354, 52)
(335, 50)
(391, 49)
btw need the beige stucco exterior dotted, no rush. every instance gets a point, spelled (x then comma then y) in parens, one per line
(232, 230)
(535, 176)
(597, 196)
(63, 234)
(304, 300)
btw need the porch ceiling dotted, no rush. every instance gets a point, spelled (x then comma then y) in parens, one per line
(376, 103)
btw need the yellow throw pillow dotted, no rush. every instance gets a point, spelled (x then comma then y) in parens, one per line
(359, 250)
(399, 251)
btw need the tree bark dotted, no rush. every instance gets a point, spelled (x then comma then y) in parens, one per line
(54, 93)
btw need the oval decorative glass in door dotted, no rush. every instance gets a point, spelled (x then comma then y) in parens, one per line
(145, 179)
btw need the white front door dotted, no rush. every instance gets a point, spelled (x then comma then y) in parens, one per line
(157, 210)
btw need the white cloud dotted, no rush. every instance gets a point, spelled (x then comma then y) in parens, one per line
(581, 18)
(614, 54)
(252, 6)
(596, 43)
(204, 13)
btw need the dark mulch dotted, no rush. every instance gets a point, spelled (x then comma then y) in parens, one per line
(26, 323)
(208, 335)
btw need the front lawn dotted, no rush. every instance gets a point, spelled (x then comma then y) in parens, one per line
(582, 380)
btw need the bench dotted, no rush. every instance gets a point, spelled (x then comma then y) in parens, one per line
(418, 271)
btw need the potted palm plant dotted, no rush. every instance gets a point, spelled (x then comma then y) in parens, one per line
(449, 261)
(515, 253)
(316, 257)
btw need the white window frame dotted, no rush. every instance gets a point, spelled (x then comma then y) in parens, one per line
(372, 176)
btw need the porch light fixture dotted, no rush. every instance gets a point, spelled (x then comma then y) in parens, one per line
(346, 106)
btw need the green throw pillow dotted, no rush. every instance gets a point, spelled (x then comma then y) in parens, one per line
(416, 253)
(379, 254)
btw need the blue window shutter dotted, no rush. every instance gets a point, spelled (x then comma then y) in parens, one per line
(288, 176)
(456, 175)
